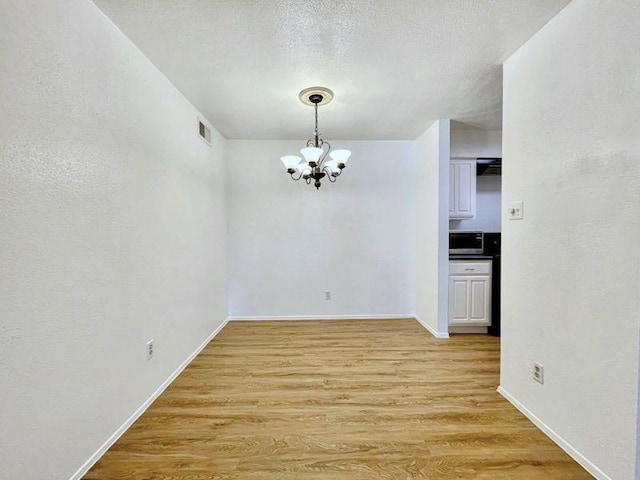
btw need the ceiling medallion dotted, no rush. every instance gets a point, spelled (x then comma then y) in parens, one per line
(314, 164)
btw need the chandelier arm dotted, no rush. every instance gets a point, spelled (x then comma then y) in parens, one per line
(294, 178)
(323, 157)
(330, 176)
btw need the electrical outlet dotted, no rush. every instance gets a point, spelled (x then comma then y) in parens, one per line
(149, 349)
(327, 294)
(516, 210)
(537, 373)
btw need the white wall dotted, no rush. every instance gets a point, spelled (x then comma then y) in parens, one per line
(288, 242)
(476, 143)
(432, 215)
(112, 229)
(473, 142)
(571, 275)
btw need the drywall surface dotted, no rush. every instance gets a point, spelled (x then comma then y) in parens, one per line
(432, 215)
(571, 267)
(112, 233)
(289, 242)
(476, 143)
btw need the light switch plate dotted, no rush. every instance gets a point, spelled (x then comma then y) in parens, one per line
(515, 211)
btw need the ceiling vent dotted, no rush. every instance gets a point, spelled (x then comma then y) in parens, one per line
(204, 132)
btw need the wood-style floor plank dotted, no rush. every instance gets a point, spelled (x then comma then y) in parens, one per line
(337, 400)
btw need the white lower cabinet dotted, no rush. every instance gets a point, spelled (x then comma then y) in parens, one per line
(470, 293)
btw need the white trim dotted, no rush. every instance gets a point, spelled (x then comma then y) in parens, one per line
(398, 316)
(125, 426)
(561, 442)
(430, 329)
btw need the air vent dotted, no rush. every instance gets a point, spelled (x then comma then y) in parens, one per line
(204, 132)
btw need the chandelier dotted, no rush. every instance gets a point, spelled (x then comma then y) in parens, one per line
(314, 164)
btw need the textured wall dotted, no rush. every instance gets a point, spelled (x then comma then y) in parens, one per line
(112, 230)
(432, 216)
(571, 267)
(288, 243)
(473, 142)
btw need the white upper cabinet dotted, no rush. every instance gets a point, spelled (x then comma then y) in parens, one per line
(462, 188)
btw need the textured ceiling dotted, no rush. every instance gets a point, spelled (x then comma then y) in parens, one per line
(395, 65)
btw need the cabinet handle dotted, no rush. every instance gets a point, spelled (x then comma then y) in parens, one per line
(470, 269)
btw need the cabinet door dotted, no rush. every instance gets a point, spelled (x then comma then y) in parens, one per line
(452, 189)
(458, 299)
(464, 196)
(470, 300)
(480, 300)
(462, 189)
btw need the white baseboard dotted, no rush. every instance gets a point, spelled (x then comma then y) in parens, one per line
(561, 442)
(430, 329)
(320, 317)
(125, 426)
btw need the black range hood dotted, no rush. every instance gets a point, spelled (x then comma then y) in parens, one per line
(489, 166)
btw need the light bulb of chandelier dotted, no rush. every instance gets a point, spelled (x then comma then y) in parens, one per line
(290, 161)
(341, 157)
(312, 155)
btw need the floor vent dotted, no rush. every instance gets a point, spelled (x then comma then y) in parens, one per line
(204, 132)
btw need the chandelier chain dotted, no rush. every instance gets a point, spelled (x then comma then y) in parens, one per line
(316, 134)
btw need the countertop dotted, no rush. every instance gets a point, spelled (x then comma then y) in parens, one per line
(470, 256)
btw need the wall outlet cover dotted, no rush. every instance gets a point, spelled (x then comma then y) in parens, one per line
(149, 350)
(538, 373)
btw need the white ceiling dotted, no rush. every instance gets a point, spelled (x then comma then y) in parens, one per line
(395, 65)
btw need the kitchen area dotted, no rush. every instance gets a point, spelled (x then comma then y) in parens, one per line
(474, 231)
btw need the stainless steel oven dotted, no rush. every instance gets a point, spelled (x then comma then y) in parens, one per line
(465, 242)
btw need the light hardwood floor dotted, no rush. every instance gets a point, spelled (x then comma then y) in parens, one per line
(337, 400)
